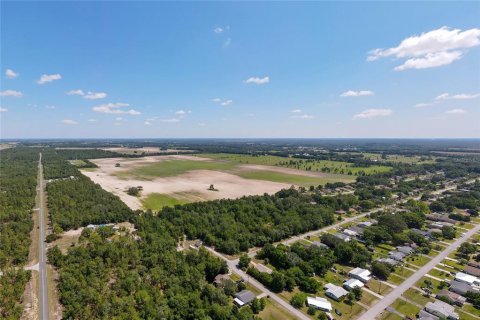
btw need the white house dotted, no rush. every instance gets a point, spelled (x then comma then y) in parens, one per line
(335, 292)
(319, 303)
(352, 284)
(360, 274)
(442, 310)
(466, 278)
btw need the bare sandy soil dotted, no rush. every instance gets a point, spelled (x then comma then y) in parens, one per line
(193, 182)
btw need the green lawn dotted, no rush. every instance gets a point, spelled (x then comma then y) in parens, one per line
(389, 316)
(378, 287)
(272, 312)
(418, 260)
(417, 296)
(156, 201)
(406, 308)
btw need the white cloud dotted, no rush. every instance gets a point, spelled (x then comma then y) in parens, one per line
(49, 78)
(218, 30)
(78, 92)
(3, 109)
(456, 111)
(182, 112)
(223, 103)
(118, 118)
(431, 60)
(92, 120)
(296, 111)
(461, 96)
(147, 123)
(373, 113)
(69, 122)
(11, 74)
(431, 49)
(11, 93)
(202, 124)
(258, 80)
(50, 107)
(95, 95)
(361, 93)
(114, 108)
(226, 103)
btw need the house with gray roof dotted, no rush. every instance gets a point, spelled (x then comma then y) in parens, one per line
(461, 288)
(405, 249)
(244, 297)
(442, 309)
(397, 255)
(335, 292)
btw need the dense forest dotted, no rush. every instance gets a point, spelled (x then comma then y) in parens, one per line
(233, 226)
(18, 180)
(142, 279)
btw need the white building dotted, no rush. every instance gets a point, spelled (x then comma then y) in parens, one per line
(319, 303)
(360, 274)
(466, 278)
(352, 284)
(335, 292)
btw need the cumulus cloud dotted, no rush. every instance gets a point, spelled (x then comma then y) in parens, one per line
(115, 108)
(223, 102)
(456, 111)
(78, 92)
(95, 95)
(431, 49)
(49, 78)
(3, 109)
(296, 111)
(11, 93)
(361, 93)
(460, 96)
(182, 112)
(147, 123)
(69, 122)
(258, 80)
(11, 74)
(50, 107)
(373, 113)
(218, 30)
(92, 120)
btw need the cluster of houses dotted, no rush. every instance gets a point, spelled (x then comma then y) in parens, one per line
(467, 281)
(358, 278)
(354, 232)
(242, 298)
(397, 256)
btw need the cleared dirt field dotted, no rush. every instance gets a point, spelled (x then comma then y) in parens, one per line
(144, 150)
(176, 179)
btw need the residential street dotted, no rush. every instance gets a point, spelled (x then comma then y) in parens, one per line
(380, 306)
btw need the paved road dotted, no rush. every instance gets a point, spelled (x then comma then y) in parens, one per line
(232, 265)
(380, 306)
(42, 265)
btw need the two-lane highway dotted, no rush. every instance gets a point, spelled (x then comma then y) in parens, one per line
(42, 259)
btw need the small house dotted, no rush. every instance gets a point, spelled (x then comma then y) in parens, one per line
(442, 310)
(352, 284)
(335, 292)
(244, 297)
(360, 274)
(319, 303)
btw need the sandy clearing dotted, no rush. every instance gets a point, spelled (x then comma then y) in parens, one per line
(283, 170)
(194, 182)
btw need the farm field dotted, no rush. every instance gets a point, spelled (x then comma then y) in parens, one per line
(176, 179)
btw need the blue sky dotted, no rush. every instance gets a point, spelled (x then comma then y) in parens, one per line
(285, 69)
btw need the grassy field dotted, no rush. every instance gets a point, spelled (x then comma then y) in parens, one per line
(293, 178)
(78, 163)
(327, 166)
(399, 158)
(272, 312)
(171, 168)
(156, 201)
(406, 308)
